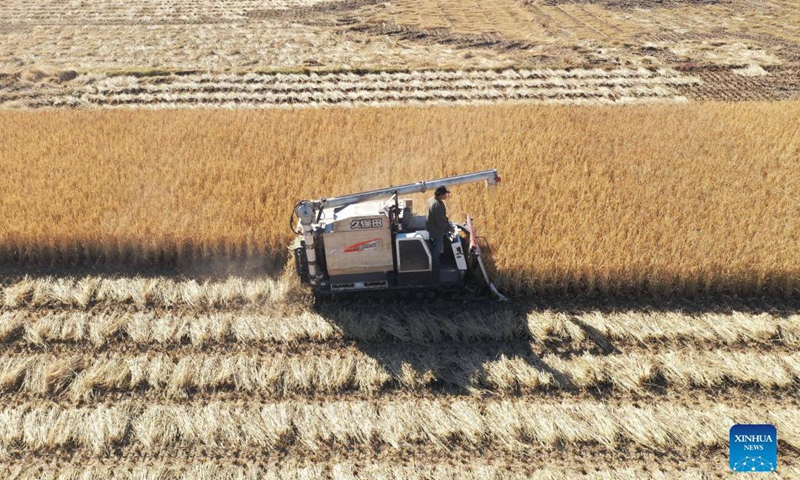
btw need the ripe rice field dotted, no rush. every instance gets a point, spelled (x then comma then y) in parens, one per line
(665, 200)
(163, 378)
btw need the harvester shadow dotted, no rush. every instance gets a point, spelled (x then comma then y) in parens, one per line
(131, 259)
(596, 335)
(501, 349)
(454, 349)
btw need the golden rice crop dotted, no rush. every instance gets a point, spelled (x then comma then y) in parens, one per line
(669, 198)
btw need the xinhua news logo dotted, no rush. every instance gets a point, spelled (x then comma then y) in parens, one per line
(754, 448)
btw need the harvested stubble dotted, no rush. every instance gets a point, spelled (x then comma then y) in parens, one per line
(577, 86)
(266, 325)
(510, 425)
(277, 374)
(664, 199)
(162, 292)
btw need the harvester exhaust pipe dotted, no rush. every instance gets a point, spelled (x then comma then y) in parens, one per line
(305, 213)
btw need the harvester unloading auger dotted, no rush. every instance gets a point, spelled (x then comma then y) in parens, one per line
(361, 243)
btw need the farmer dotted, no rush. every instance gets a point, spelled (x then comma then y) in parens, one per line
(437, 225)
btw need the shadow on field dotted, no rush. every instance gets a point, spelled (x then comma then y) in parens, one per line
(211, 269)
(568, 289)
(441, 346)
(508, 348)
(449, 346)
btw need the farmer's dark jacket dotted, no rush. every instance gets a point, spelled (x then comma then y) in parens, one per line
(437, 223)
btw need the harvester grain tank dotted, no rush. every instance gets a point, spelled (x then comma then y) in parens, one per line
(373, 241)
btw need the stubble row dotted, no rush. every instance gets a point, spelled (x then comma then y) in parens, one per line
(40, 328)
(271, 90)
(508, 425)
(74, 376)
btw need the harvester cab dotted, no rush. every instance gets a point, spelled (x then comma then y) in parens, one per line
(373, 241)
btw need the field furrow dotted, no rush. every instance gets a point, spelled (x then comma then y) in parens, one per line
(507, 425)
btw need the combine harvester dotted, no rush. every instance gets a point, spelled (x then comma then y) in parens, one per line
(358, 242)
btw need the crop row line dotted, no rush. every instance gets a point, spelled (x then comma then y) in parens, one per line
(183, 87)
(122, 22)
(83, 377)
(103, 81)
(103, 18)
(232, 104)
(438, 79)
(165, 292)
(333, 97)
(421, 75)
(354, 84)
(326, 93)
(365, 94)
(38, 329)
(510, 425)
